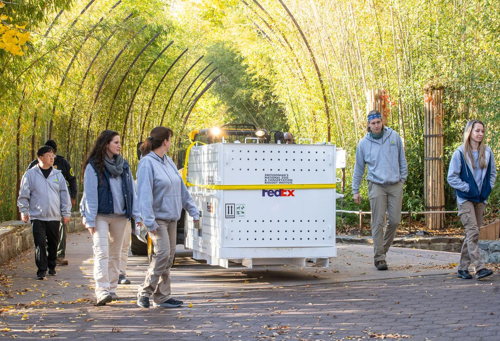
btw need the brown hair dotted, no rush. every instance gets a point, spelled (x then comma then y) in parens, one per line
(99, 149)
(468, 149)
(155, 139)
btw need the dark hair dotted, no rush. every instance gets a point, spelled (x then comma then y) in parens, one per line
(99, 149)
(53, 144)
(155, 139)
(44, 150)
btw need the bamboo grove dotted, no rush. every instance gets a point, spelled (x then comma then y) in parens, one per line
(300, 65)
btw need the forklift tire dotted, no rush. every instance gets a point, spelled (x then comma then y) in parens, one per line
(137, 247)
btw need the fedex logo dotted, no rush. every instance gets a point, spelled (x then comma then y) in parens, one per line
(278, 193)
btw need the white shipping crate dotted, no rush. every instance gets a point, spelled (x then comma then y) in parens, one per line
(262, 204)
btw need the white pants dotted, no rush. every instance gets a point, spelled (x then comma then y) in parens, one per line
(125, 248)
(108, 241)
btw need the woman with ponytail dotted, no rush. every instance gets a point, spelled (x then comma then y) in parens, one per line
(162, 196)
(109, 201)
(472, 174)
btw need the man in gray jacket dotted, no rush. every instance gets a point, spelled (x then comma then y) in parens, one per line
(381, 150)
(43, 199)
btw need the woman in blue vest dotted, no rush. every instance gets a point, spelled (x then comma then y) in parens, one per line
(109, 201)
(162, 196)
(472, 174)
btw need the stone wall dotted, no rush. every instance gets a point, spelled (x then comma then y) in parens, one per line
(16, 236)
(449, 244)
(490, 251)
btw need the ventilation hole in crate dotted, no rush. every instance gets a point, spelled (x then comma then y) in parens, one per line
(324, 170)
(308, 170)
(270, 159)
(308, 231)
(300, 170)
(240, 169)
(308, 159)
(240, 158)
(316, 152)
(315, 221)
(271, 170)
(255, 239)
(300, 231)
(294, 151)
(248, 169)
(323, 231)
(324, 152)
(301, 160)
(286, 221)
(256, 151)
(293, 221)
(255, 230)
(255, 159)
(323, 221)
(300, 238)
(293, 238)
(286, 231)
(248, 239)
(248, 159)
(301, 152)
(315, 230)
(262, 238)
(263, 170)
(255, 169)
(308, 238)
(248, 151)
(278, 238)
(308, 221)
(315, 238)
(293, 231)
(294, 170)
(278, 168)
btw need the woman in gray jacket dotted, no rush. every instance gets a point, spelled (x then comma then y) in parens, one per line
(162, 194)
(472, 174)
(109, 201)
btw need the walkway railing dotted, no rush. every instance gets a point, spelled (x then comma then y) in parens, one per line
(409, 213)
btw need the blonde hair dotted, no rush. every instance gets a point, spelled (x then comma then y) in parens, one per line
(467, 145)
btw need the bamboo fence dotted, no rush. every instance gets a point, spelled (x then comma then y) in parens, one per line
(377, 99)
(433, 157)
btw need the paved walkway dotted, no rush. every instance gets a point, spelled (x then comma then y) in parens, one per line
(418, 298)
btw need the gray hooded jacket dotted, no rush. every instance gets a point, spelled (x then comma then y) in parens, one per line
(43, 198)
(161, 192)
(385, 159)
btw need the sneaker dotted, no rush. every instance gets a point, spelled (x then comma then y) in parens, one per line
(61, 261)
(52, 272)
(381, 265)
(103, 299)
(170, 303)
(114, 296)
(40, 276)
(464, 274)
(483, 273)
(143, 301)
(123, 280)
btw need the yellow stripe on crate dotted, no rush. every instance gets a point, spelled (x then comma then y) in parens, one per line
(257, 187)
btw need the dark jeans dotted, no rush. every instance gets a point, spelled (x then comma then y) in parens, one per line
(46, 237)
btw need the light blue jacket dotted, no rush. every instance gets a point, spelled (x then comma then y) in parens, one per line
(385, 159)
(161, 192)
(89, 203)
(43, 198)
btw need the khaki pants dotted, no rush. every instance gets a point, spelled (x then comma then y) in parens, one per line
(384, 200)
(157, 281)
(108, 241)
(124, 251)
(471, 214)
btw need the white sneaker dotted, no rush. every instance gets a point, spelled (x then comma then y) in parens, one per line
(103, 299)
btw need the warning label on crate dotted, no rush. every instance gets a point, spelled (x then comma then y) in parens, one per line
(274, 179)
(230, 211)
(240, 211)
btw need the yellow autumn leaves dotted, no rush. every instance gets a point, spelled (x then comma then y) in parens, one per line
(12, 37)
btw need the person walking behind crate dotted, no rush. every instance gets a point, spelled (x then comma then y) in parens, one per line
(44, 199)
(60, 163)
(109, 201)
(472, 174)
(162, 194)
(382, 152)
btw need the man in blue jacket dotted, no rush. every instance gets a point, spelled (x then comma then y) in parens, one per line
(382, 152)
(43, 200)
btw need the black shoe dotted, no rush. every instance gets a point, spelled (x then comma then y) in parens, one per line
(170, 303)
(52, 272)
(464, 274)
(123, 280)
(40, 277)
(483, 273)
(143, 301)
(381, 265)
